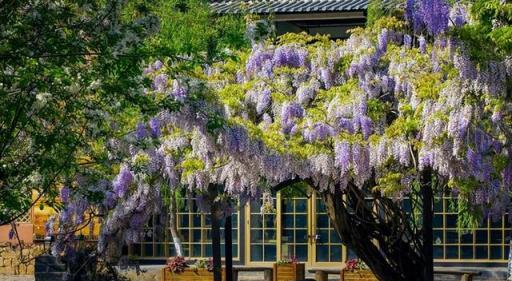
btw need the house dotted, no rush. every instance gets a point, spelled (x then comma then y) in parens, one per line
(333, 17)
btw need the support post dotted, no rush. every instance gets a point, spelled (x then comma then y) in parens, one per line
(228, 247)
(428, 215)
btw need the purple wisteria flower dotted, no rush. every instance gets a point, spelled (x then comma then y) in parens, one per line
(366, 126)
(435, 15)
(65, 194)
(289, 56)
(11, 234)
(430, 14)
(346, 124)
(290, 112)
(458, 15)
(263, 100)
(382, 44)
(109, 201)
(342, 156)
(157, 65)
(423, 44)
(320, 131)
(258, 58)
(407, 41)
(141, 131)
(179, 91)
(122, 182)
(326, 77)
(154, 126)
(160, 82)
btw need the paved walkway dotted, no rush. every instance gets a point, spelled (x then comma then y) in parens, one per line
(153, 274)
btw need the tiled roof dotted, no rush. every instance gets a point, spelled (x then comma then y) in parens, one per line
(288, 6)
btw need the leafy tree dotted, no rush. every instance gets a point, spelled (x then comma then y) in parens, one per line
(69, 71)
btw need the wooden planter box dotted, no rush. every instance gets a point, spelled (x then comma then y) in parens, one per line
(358, 275)
(190, 274)
(289, 272)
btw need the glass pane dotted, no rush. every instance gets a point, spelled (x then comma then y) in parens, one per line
(466, 238)
(270, 235)
(322, 221)
(287, 221)
(301, 252)
(301, 205)
(183, 220)
(496, 236)
(287, 205)
(270, 221)
(438, 221)
(481, 252)
(481, 237)
(322, 236)
(322, 253)
(438, 252)
(452, 252)
(496, 253)
(256, 221)
(451, 221)
(301, 236)
(452, 237)
(301, 221)
(196, 250)
(148, 250)
(256, 253)
(335, 253)
(256, 236)
(438, 237)
(270, 253)
(335, 238)
(466, 252)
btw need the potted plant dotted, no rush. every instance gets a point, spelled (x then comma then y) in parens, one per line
(289, 270)
(356, 270)
(177, 269)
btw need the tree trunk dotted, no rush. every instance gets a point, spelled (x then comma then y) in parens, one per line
(173, 214)
(228, 250)
(428, 234)
(217, 262)
(378, 233)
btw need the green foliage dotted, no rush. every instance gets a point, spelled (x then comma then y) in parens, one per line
(189, 27)
(490, 36)
(374, 12)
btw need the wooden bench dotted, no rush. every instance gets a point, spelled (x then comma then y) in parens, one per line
(322, 274)
(465, 274)
(267, 271)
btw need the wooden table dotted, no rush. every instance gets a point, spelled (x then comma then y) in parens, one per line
(465, 274)
(267, 271)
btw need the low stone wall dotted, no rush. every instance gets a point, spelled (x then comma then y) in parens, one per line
(14, 262)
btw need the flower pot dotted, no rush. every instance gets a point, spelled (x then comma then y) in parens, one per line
(357, 275)
(289, 272)
(190, 274)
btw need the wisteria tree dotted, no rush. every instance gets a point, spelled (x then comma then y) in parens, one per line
(375, 125)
